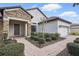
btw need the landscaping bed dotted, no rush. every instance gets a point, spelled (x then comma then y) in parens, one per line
(75, 33)
(9, 47)
(48, 39)
(72, 49)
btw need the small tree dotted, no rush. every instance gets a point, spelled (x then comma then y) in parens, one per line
(43, 22)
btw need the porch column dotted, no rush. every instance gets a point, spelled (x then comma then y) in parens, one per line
(26, 29)
(29, 30)
(6, 26)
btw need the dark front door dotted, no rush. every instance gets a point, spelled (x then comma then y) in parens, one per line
(16, 29)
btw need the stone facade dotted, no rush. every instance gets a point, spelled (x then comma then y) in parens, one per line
(18, 13)
(15, 13)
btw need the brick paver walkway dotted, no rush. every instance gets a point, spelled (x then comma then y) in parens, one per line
(51, 50)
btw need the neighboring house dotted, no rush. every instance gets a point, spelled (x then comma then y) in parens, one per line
(38, 16)
(15, 21)
(75, 28)
(55, 25)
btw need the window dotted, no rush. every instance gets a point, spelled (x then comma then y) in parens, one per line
(33, 28)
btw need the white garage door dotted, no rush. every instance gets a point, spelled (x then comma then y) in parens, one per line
(63, 31)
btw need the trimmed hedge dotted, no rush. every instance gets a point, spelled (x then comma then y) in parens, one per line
(2, 45)
(34, 33)
(8, 41)
(77, 40)
(5, 36)
(41, 41)
(57, 35)
(73, 49)
(35, 38)
(14, 49)
(74, 33)
(54, 37)
(48, 39)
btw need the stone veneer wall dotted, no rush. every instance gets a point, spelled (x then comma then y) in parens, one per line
(16, 14)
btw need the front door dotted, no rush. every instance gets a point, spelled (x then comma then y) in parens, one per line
(16, 29)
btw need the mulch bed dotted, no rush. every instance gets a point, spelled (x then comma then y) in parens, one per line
(64, 53)
(45, 44)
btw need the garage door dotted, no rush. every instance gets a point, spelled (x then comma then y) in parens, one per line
(63, 31)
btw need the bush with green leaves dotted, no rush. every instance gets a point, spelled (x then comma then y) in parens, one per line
(48, 39)
(74, 33)
(5, 36)
(35, 38)
(46, 35)
(34, 33)
(73, 49)
(76, 40)
(2, 45)
(14, 49)
(8, 41)
(41, 41)
(55, 36)
(40, 35)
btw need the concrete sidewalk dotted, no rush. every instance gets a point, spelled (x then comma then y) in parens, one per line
(51, 50)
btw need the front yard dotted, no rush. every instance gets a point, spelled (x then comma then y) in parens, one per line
(40, 41)
(9, 47)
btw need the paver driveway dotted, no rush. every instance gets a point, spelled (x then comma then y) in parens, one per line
(51, 50)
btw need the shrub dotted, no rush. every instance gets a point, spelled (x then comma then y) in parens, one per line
(35, 38)
(77, 40)
(75, 33)
(8, 41)
(2, 45)
(72, 33)
(34, 33)
(15, 49)
(57, 35)
(5, 36)
(73, 48)
(46, 35)
(54, 37)
(40, 35)
(48, 39)
(41, 41)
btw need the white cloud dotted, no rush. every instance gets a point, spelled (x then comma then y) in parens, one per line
(50, 7)
(69, 14)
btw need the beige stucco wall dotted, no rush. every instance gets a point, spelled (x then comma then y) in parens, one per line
(50, 27)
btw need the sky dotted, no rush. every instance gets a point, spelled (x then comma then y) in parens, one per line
(63, 10)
